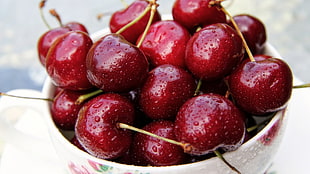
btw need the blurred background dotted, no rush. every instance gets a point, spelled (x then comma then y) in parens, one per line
(21, 26)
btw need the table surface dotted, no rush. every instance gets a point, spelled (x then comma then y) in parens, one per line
(21, 25)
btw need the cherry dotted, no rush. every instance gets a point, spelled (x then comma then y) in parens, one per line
(213, 52)
(209, 122)
(96, 127)
(116, 65)
(122, 17)
(196, 13)
(165, 43)
(49, 37)
(66, 63)
(64, 109)
(167, 87)
(147, 150)
(253, 31)
(261, 87)
(218, 87)
(76, 143)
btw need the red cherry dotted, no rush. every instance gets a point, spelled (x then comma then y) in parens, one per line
(147, 150)
(208, 122)
(66, 63)
(114, 64)
(165, 90)
(253, 31)
(64, 109)
(121, 18)
(96, 127)
(165, 43)
(75, 26)
(260, 87)
(213, 52)
(196, 13)
(49, 37)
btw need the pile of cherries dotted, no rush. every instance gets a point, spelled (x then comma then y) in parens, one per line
(190, 80)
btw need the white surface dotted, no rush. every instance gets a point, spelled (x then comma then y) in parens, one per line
(291, 158)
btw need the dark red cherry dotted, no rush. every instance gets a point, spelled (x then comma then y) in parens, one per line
(147, 150)
(196, 13)
(253, 31)
(114, 64)
(49, 37)
(122, 17)
(260, 87)
(218, 87)
(76, 26)
(213, 52)
(66, 61)
(165, 90)
(209, 122)
(96, 128)
(165, 43)
(64, 109)
(76, 142)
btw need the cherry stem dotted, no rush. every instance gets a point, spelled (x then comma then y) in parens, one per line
(22, 97)
(41, 5)
(186, 147)
(154, 6)
(101, 15)
(198, 87)
(219, 155)
(148, 8)
(84, 97)
(307, 85)
(56, 15)
(217, 3)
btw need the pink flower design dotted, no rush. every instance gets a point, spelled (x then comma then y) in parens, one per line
(78, 169)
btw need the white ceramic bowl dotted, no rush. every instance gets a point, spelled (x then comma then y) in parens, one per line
(253, 157)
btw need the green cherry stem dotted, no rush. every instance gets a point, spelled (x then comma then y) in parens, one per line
(154, 6)
(22, 97)
(56, 15)
(186, 147)
(146, 10)
(217, 3)
(198, 87)
(219, 155)
(307, 85)
(84, 97)
(41, 6)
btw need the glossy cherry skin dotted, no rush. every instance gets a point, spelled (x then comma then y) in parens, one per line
(116, 65)
(76, 26)
(66, 61)
(165, 43)
(196, 13)
(49, 37)
(147, 150)
(261, 87)
(96, 128)
(165, 90)
(253, 30)
(213, 52)
(123, 17)
(208, 122)
(64, 109)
